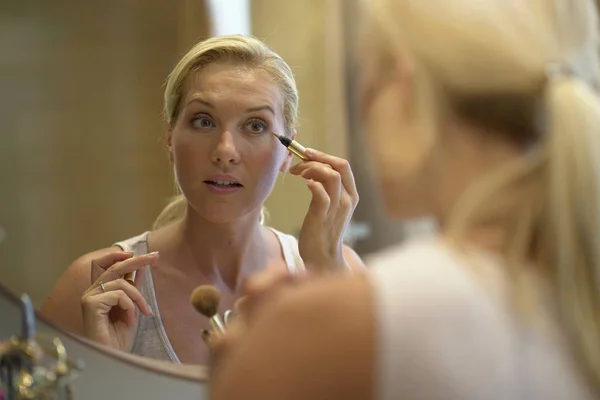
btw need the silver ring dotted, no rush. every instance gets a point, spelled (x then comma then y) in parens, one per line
(102, 287)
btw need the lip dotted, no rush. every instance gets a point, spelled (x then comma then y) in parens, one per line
(223, 190)
(228, 178)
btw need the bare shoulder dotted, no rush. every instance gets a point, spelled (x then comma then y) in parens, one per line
(316, 341)
(355, 263)
(63, 306)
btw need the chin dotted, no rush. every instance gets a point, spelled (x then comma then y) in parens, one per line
(222, 213)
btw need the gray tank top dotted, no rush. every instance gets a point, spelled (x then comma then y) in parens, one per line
(151, 339)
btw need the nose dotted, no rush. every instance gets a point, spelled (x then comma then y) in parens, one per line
(226, 151)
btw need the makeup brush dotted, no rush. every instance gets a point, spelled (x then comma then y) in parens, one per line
(205, 300)
(292, 146)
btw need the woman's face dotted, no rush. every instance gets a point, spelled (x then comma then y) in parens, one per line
(400, 152)
(226, 159)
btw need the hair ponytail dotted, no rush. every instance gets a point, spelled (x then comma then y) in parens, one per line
(572, 226)
(175, 210)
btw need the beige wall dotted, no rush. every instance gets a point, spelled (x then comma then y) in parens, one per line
(81, 158)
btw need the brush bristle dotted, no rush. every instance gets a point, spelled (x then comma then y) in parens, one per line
(205, 300)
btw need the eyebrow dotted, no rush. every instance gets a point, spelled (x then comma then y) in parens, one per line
(260, 108)
(197, 100)
(252, 109)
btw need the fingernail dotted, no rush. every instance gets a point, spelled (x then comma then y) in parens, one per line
(150, 309)
(310, 152)
(153, 254)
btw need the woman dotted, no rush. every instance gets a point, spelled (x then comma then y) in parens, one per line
(483, 114)
(222, 102)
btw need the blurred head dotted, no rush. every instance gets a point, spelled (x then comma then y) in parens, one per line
(222, 101)
(486, 113)
(435, 69)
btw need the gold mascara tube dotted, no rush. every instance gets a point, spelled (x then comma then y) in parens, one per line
(292, 145)
(130, 277)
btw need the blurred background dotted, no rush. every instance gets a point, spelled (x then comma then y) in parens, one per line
(82, 156)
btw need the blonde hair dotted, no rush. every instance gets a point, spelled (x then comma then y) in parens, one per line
(493, 63)
(242, 50)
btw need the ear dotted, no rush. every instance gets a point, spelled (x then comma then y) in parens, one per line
(403, 78)
(285, 165)
(170, 142)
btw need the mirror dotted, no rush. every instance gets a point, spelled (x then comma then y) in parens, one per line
(101, 367)
(84, 164)
(83, 161)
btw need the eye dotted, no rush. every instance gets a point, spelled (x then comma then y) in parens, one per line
(202, 122)
(256, 125)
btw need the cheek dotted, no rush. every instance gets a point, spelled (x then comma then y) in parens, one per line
(183, 152)
(264, 163)
(398, 154)
(387, 136)
(184, 144)
(396, 142)
(187, 157)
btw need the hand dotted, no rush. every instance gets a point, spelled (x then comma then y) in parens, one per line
(110, 305)
(334, 198)
(263, 288)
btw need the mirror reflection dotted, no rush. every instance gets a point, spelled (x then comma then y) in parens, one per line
(223, 101)
(143, 162)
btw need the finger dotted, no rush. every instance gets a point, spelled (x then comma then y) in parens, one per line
(109, 259)
(131, 291)
(103, 303)
(221, 345)
(134, 278)
(330, 180)
(138, 278)
(127, 305)
(320, 202)
(240, 305)
(346, 208)
(119, 269)
(341, 165)
(100, 264)
(298, 168)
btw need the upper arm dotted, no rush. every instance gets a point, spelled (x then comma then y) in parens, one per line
(314, 342)
(63, 304)
(355, 263)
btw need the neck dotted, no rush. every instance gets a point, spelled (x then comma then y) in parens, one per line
(469, 156)
(225, 253)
